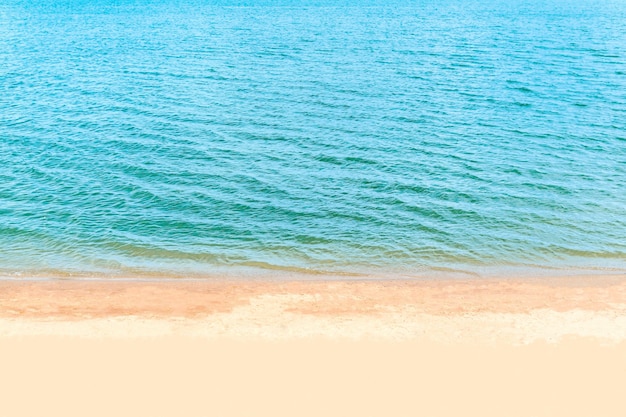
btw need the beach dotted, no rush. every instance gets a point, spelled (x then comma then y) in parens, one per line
(296, 208)
(490, 347)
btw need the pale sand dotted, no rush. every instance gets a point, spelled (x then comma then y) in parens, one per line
(543, 347)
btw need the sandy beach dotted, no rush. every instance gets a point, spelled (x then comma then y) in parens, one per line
(295, 208)
(523, 347)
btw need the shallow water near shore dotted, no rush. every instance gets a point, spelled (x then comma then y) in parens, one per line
(197, 139)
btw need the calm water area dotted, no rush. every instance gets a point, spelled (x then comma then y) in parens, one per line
(199, 138)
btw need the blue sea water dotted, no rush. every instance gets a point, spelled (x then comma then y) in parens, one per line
(199, 138)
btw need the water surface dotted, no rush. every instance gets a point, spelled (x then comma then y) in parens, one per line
(196, 138)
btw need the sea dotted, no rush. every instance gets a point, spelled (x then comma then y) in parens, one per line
(312, 139)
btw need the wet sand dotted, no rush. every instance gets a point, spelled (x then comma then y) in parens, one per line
(531, 347)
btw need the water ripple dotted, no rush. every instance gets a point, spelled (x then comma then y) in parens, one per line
(138, 138)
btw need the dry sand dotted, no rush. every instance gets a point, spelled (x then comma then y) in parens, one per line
(532, 347)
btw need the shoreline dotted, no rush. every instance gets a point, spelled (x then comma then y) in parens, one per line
(196, 348)
(388, 310)
(285, 274)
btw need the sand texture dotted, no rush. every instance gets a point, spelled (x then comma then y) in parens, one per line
(532, 347)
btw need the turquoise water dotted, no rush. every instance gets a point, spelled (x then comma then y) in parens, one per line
(195, 138)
